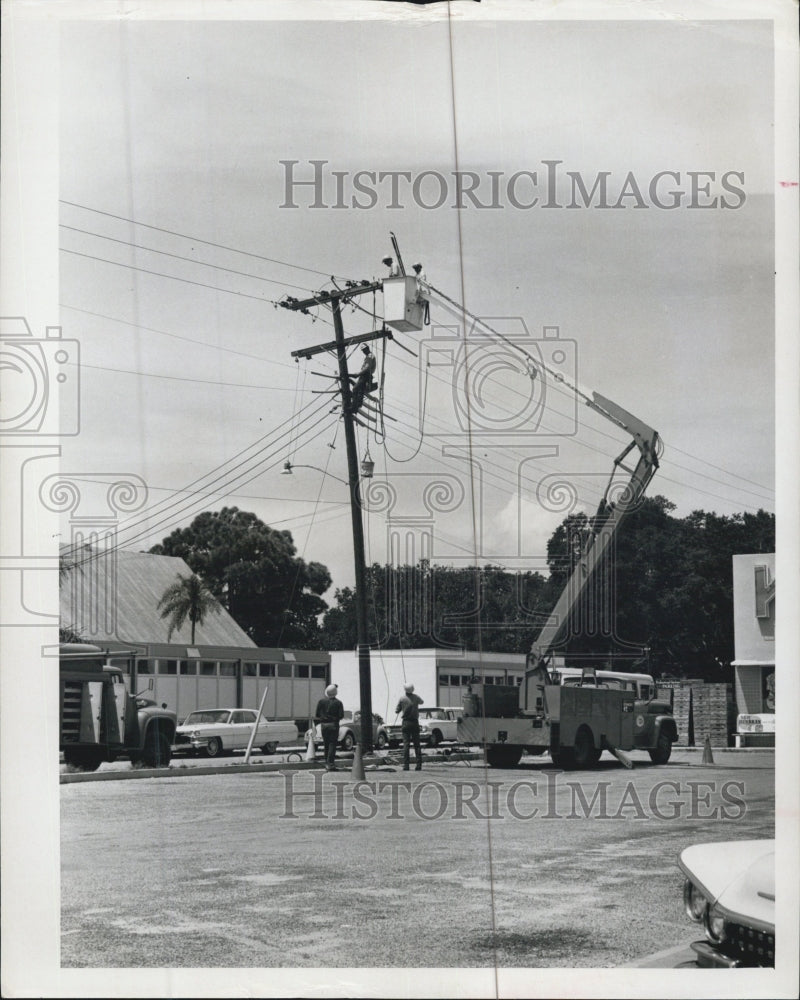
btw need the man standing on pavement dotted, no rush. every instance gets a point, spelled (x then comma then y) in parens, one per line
(329, 714)
(409, 706)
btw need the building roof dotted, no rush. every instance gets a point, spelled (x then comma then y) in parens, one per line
(115, 597)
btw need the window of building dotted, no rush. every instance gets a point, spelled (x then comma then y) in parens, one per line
(302, 670)
(249, 669)
(188, 667)
(227, 669)
(284, 670)
(266, 670)
(145, 667)
(168, 667)
(465, 679)
(318, 671)
(208, 668)
(444, 680)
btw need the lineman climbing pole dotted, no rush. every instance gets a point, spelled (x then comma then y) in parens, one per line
(335, 300)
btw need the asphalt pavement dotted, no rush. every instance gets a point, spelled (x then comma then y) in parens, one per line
(453, 866)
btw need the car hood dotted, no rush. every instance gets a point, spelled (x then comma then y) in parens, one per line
(739, 876)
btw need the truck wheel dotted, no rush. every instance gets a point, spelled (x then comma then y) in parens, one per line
(157, 751)
(563, 757)
(269, 748)
(83, 760)
(214, 747)
(502, 756)
(663, 749)
(348, 742)
(583, 753)
(436, 738)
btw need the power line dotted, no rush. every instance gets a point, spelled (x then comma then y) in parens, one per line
(585, 397)
(174, 277)
(208, 488)
(195, 239)
(182, 378)
(175, 336)
(190, 260)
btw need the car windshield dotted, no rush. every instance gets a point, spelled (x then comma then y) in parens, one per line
(209, 716)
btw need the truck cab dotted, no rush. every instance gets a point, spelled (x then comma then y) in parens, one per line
(100, 719)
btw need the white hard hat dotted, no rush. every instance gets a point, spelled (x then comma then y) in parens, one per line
(331, 690)
(409, 688)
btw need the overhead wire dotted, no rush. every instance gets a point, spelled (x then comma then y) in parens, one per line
(194, 239)
(439, 292)
(190, 260)
(215, 481)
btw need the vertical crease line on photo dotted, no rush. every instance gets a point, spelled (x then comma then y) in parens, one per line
(471, 470)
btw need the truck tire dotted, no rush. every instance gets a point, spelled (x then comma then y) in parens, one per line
(583, 753)
(84, 760)
(503, 756)
(156, 751)
(214, 747)
(663, 749)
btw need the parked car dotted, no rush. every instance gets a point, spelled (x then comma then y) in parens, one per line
(439, 723)
(350, 731)
(730, 889)
(215, 731)
(394, 734)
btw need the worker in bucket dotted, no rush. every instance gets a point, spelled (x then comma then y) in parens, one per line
(408, 706)
(329, 714)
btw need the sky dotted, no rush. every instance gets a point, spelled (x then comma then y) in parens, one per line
(176, 241)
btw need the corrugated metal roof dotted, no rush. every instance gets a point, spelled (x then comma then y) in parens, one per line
(115, 596)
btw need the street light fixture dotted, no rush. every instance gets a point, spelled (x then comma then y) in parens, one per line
(288, 469)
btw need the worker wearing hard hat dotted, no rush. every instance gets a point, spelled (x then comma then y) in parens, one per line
(408, 706)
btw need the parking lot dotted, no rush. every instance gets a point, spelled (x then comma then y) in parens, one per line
(455, 866)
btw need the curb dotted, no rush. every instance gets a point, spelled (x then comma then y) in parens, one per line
(189, 772)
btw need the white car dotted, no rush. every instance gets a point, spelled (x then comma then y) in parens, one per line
(440, 723)
(215, 731)
(730, 890)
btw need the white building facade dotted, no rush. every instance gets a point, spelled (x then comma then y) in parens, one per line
(754, 647)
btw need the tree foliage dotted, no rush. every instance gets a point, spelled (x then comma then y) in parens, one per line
(427, 605)
(188, 598)
(670, 587)
(254, 572)
(666, 599)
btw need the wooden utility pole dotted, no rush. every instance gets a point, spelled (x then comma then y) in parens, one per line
(340, 344)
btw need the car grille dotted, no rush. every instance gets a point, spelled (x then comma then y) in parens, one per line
(750, 946)
(72, 693)
(181, 738)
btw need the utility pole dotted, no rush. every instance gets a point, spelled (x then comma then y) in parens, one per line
(340, 344)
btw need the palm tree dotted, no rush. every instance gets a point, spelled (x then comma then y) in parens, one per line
(189, 597)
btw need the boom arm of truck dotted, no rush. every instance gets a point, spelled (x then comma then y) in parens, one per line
(602, 527)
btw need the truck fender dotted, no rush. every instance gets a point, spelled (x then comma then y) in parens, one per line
(666, 724)
(155, 724)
